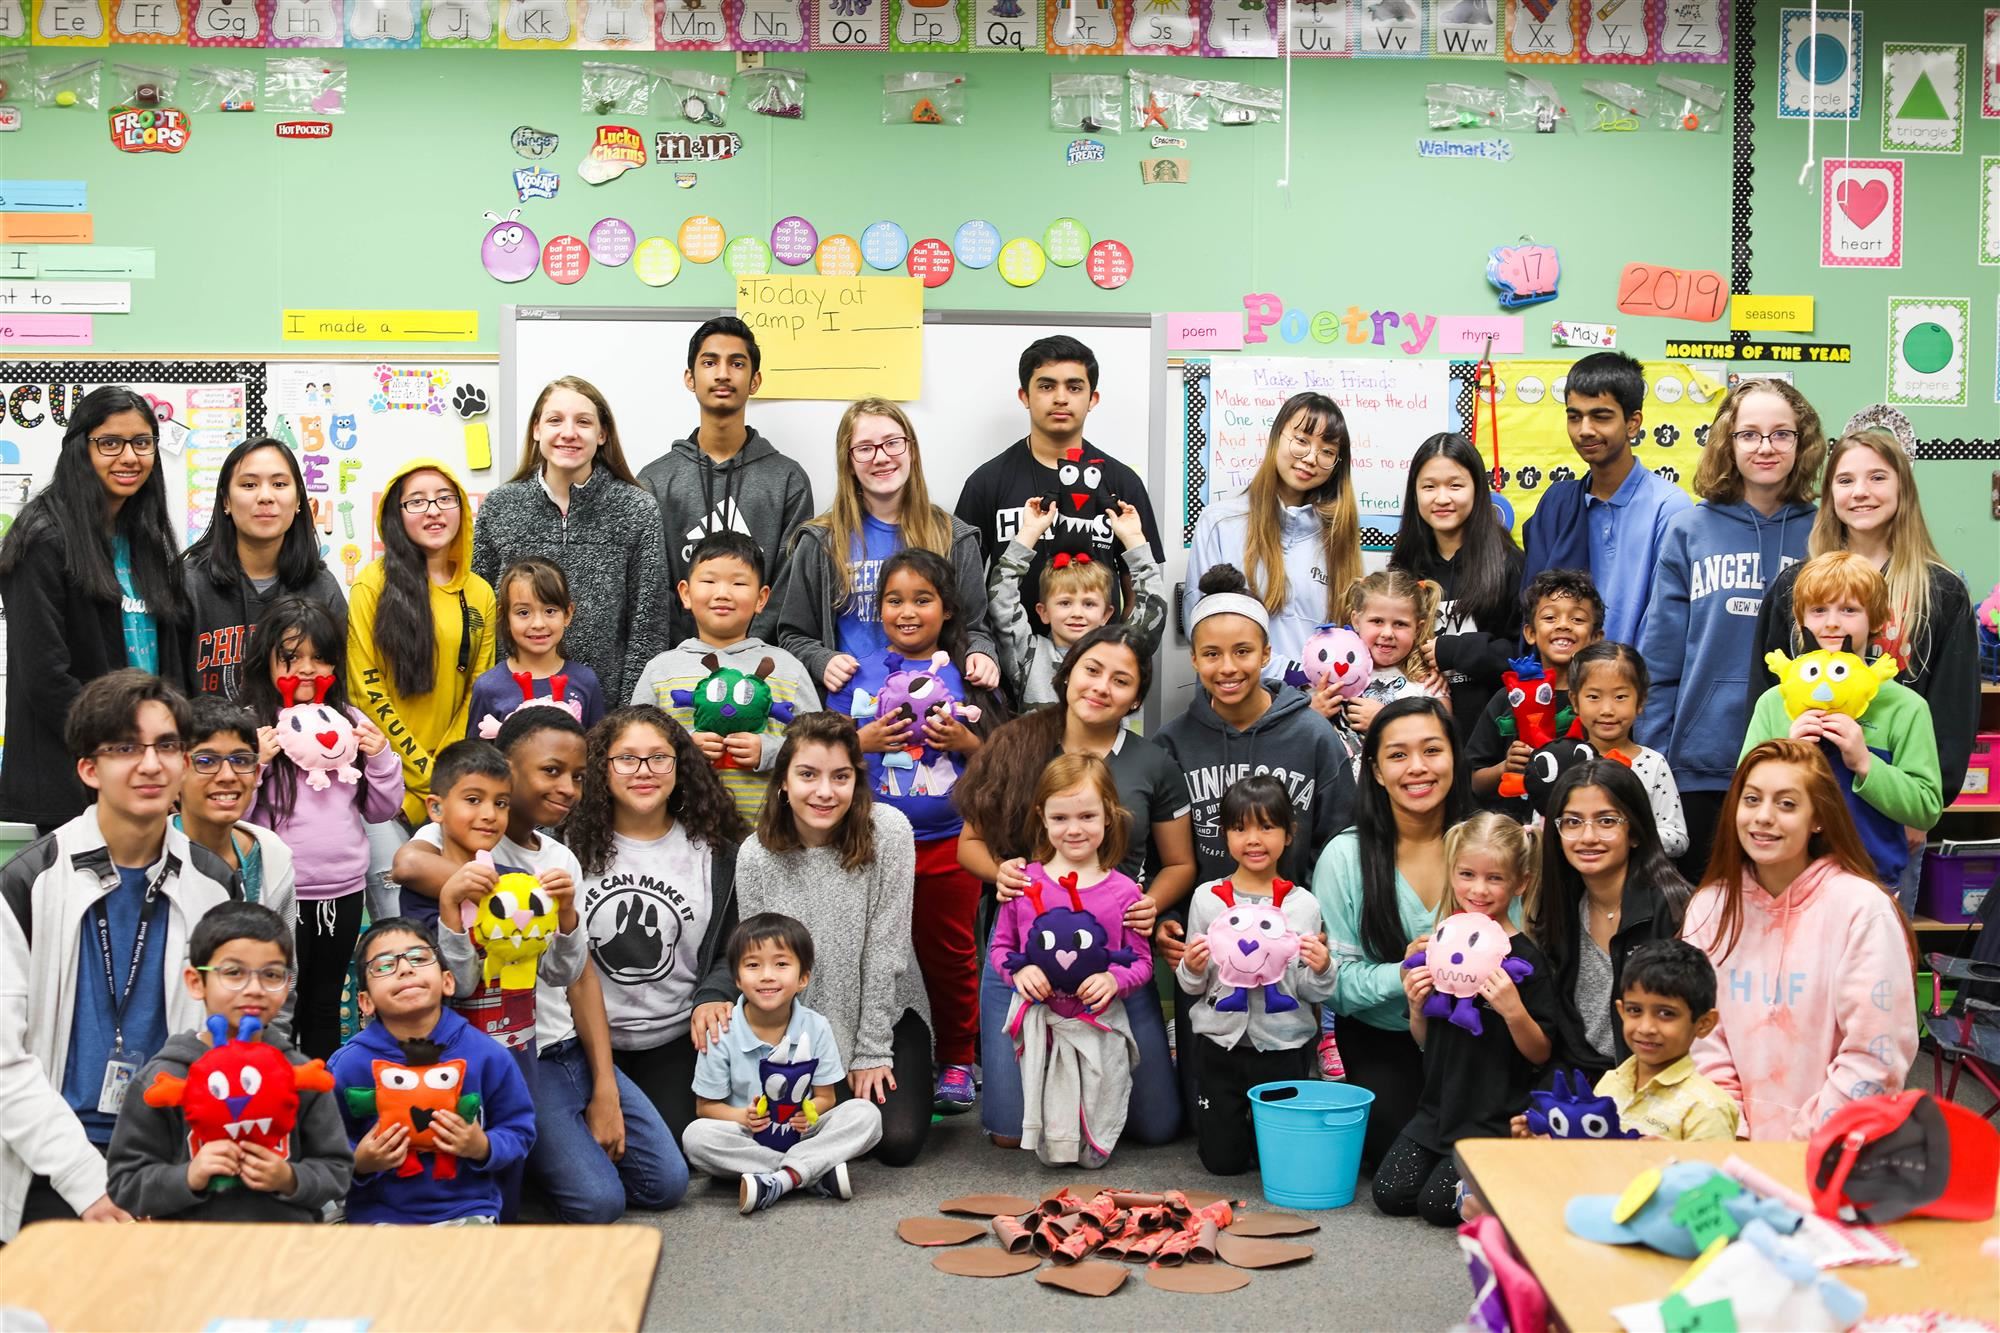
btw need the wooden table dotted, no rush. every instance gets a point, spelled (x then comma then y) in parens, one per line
(182, 1275)
(1527, 1182)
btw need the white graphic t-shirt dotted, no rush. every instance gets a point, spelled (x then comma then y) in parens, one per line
(646, 915)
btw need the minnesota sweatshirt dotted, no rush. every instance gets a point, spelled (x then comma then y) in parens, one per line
(223, 616)
(1817, 999)
(1221, 535)
(463, 618)
(758, 491)
(1715, 561)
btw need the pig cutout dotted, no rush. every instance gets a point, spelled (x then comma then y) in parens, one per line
(1465, 949)
(1250, 946)
(316, 736)
(1336, 653)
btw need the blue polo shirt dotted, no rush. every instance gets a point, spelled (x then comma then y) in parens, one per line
(93, 1025)
(727, 1070)
(1625, 536)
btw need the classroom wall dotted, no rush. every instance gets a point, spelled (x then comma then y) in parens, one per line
(388, 212)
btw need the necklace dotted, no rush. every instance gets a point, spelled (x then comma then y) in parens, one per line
(1609, 914)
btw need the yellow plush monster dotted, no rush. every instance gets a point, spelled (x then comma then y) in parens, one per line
(512, 926)
(1829, 681)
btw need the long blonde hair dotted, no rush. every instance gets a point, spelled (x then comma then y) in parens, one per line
(924, 525)
(1504, 838)
(1333, 502)
(1717, 477)
(1912, 553)
(609, 452)
(1400, 585)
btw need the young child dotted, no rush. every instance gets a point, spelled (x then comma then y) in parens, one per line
(1263, 1038)
(1608, 684)
(1887, 760)
(1474, 1083)
(1561, 616)
(1395, 613)
(217, 786)
(1077, 596)
(1068, 1021)
(535, 613)
(478, 1121)
(724, 591)
(294, 649)
(913, 764)
(240, 969)
(776, 1142)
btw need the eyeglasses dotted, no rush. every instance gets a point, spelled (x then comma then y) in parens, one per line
(443, 503)
(1572, 826)
(208, 763)
(1781, 440)
(1305, 446)
(386, 964)
(110, 446)
(166, 748)
(893, 447)
(625, 765)
(235, 976)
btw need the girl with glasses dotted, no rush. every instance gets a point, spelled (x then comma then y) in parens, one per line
(829, 615)
(91, 579)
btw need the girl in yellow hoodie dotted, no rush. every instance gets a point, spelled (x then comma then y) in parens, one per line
(420, 623)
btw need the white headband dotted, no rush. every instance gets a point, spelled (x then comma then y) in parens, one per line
(1229, 604)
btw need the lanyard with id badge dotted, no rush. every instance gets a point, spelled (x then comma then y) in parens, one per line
(119, 1069)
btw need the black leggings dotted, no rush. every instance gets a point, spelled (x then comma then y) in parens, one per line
(1413, 1179)
(1703, 810)
(666, 1075)
(1225, 1138)
(328, 929)
(906, 1115)
(1389, 1065)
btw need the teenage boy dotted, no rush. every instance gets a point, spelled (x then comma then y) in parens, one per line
(93, 911)
(725, 477)
(1055, 462)
(1611, 521)
(217, 784)
(455, 1087)
(240, 968)
(771, 957)
(725, 591)
(1561, 615)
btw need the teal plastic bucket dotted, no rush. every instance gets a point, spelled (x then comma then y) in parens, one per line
(1309, 1141)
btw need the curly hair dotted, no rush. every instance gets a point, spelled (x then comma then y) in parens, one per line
(1718, 478)
(699, 800)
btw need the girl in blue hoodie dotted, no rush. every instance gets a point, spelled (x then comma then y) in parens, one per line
(1757, 478)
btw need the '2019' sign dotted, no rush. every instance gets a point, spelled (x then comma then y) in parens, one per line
(1672, 293)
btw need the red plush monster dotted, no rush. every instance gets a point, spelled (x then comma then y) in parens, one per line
(1532, 715)
(241, 1090)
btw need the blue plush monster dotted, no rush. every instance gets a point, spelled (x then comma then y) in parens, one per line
(787, 1090)
(1570, 1110)
(1067, 943)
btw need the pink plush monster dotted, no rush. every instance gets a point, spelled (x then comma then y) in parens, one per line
(1336, 653)
(489, 726)
(1251, 945)
(316, 736)
(1465, 949)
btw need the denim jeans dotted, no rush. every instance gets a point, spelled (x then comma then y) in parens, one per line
(1154, 1114)
(566, 1164)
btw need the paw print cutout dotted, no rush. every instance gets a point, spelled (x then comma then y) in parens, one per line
(378, 402)
(1529, 477)
(469, 401)
(1701, 437)
(1563, 473)
(1670, 473)
(1666, 434)
(1498, 481)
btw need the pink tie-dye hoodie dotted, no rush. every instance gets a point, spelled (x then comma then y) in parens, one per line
(1817, 999)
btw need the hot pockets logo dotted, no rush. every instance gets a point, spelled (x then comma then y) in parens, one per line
(305, 129)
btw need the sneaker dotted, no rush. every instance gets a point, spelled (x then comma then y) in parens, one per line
(760, 1190)
(834, 1184)
(955, 1092)
(1330, 1066)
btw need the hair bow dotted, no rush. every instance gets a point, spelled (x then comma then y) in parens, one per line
(1063, 559)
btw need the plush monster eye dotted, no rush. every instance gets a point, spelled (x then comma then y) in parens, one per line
(1083, 939)
(296, 725)
(774, 1086)
(1516, 696)
(1558, 1123)
(1473, 942)
(1270, 925)
(1836, 671)
(500, 906)
(325, 716)
(1091, 476)
(1235, 920)
(1068, 472)
(442, 1077)
(250, 1080)
(717, 690)
(920, 686)
(540, 904)
(1547, 766)
(1545, 693)
(218, 1084)
(1808, 671)
(1595, 1126)
(800, 1087)
(745, 692)
(400, 1079)
(1048, 940)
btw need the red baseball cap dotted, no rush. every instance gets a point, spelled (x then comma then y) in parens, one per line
(1903, 1154)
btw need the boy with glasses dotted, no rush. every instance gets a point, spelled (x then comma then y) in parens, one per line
(217, 785)
(92, 914)
(240, 969)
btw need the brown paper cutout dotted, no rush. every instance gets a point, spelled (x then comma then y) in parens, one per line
(983, 1262)
(1203, 1198)
(1195, 1279)
(1086, 1279)
(1272, 1224)
(988, 1205)
(938, 1230)
(1248, 1252)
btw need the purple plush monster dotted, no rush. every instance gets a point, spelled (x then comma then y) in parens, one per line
(787, 1090)
(917, 693)
(1067, 943)
(1464, 951)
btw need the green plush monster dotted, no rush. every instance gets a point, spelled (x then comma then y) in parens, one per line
(728, 702)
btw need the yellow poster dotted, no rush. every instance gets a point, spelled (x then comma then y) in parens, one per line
(399, 326)
(71, 23)
(1535, 452)
(836, 338)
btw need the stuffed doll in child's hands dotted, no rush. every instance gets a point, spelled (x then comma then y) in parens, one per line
(239, 1090)
(411, 1094)
(513, 925)
(1250, 946)
(489, 726)
(729, 702)
(1828, 681)
(1465, 949)
(916, 694)
(1066, 942)
(1532, 717)
(787, 1092)
(1570, 1110)
(1332, 654)
(319, 738)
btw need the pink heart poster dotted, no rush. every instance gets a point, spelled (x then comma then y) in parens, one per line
(1861, 212)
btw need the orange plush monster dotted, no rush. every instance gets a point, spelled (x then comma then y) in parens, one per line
(411, 1095)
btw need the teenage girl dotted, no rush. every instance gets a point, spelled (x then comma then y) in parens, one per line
(295, 647)
(1474, 1083)
(1814, 962)
(1453, 535)
(535, 615)
(1294, 531)
(655, 834)
(1395, 613)
(91, 583)
(1607, 687)
(921, 617)
(1757, 477)
(1081, 838)
(1259, 1040)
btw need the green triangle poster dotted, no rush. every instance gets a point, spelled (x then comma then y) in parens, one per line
(1923, 103)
